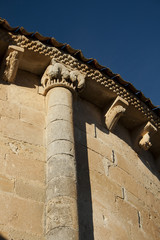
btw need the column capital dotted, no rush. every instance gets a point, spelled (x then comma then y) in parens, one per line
(58, 75)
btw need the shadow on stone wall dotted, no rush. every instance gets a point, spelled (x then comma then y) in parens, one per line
(2, 238)
(85, 211)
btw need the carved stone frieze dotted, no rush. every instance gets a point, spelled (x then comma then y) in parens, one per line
(113, 114)
(56, 74)
(11, 62)
(145, 134)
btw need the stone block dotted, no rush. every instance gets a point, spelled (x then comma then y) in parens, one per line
(26, 96)
(132, 199)
(23, 168)
(9, 109)
(59, 112)
(61, 165)
(32, 116)
(30, 190)
(63, 233)
(86, 112)
(13, 234)
(4, 92)
(59, 96)
(6, 184)
(126, 212)
(21, 214)
(62, 186)
(61, 212)
(60, 147)
(105, 184)
(93, 143)
(127, 181)
(59, 130)
(95, 161)
(127, 164)
(19, 130)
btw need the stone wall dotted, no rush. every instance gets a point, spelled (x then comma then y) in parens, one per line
(119, 194)
(118, 189)
(22, 159)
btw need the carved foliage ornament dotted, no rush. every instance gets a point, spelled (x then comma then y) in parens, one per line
(11, 63)
(56, 74)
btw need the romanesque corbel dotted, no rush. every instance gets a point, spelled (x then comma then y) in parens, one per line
(56, 74)
(116, 110)
(11, 63)
(145, 134)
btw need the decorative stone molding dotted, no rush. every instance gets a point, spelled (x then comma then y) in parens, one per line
(116, 110)
(68, 60)
(145, 134)
(11, 63)
(56, 74)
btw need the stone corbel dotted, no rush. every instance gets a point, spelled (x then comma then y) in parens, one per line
(116, 110)
(57, 74)
(11, 63)
(145, 134)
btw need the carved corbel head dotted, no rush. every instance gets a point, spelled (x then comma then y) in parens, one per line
(145, 134)
(116, 110)
(11, 63)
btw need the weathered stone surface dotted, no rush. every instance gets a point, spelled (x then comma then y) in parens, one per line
(21, 214)
(6, 184)
(61, 96)
(61, 212)
(118, 189)
(25, 96)
(59, 112)
(65, 131)
(62, 186)
(34, 117)
(16, 129)
(63, 233)
(60, 147)
(30, 190)
(25, 168)
(3, 92)
(9, 109)
(61, 165)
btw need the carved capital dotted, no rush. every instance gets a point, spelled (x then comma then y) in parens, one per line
(144, 136)
(56, 74)
(11, 63)
(116, 110)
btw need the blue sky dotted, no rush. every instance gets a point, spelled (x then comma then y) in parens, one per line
(123, 35)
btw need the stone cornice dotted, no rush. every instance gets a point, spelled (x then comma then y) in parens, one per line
(95, 75)
(100, 89)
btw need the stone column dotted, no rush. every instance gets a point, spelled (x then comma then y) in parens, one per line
(61, 179)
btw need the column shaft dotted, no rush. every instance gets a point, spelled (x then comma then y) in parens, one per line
(61, 180)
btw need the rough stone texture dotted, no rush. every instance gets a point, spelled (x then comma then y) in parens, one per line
(22, 159)
(61, 182)
(118, 189)
(115, 188)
